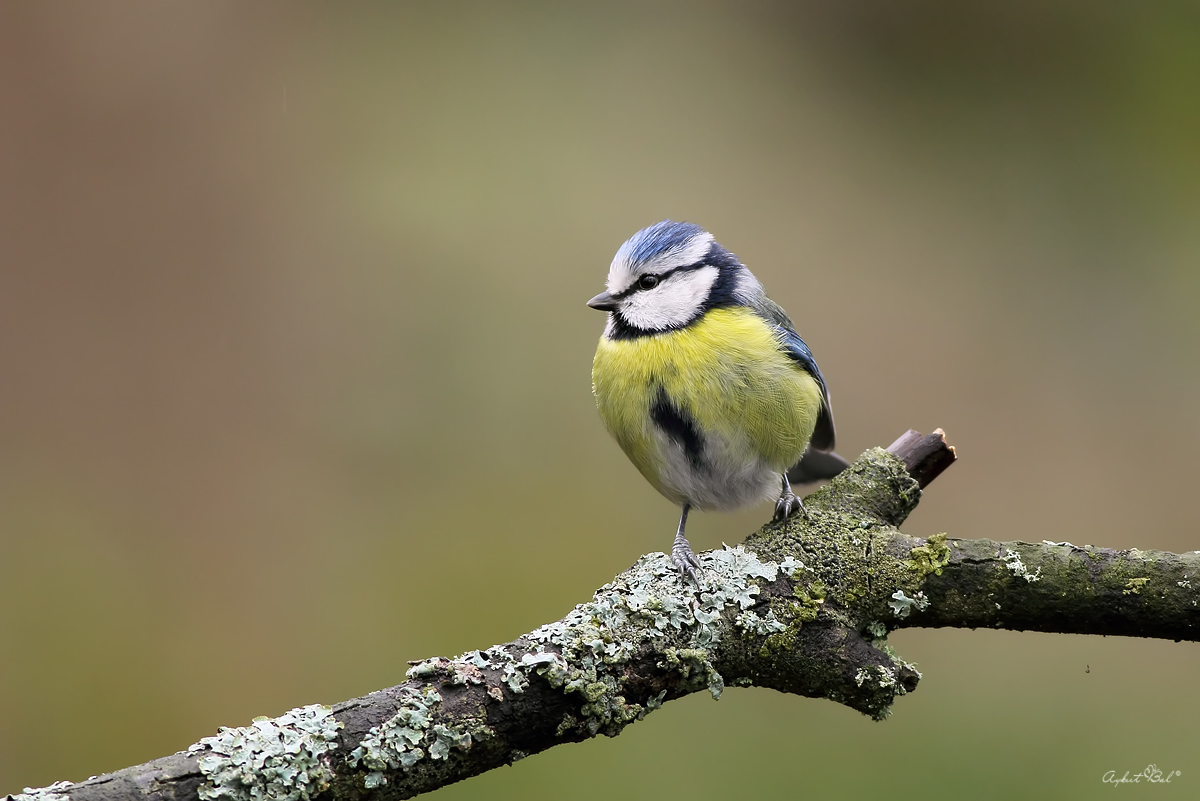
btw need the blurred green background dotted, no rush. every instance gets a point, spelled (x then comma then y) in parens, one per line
(294, 357)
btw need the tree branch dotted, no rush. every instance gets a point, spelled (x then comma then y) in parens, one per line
(803, 607)
(1066, 589)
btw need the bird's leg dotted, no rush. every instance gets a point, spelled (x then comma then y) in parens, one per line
(681, 552)
(788, 503)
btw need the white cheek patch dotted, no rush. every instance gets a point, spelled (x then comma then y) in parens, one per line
(621, 274)
(672, 303)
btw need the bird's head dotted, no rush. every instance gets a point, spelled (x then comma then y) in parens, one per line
(668, 275)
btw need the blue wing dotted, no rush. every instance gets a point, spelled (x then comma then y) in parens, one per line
(793, 346)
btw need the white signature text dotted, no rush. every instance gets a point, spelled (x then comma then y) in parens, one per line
(1150, 775)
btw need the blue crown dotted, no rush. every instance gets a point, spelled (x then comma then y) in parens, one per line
(662, 237)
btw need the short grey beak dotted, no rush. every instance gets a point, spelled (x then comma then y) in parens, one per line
(603, 302)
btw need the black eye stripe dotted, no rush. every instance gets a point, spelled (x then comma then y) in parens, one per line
(663, 276)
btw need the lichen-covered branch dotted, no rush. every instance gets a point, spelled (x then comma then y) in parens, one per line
(803, 607)
(1064, 588)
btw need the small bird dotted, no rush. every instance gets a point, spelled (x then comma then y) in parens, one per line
(703, 381)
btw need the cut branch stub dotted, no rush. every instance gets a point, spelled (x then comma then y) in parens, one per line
(924, 456)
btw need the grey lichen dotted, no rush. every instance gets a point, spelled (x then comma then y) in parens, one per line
(282, 759)
(1013, 560)
(902, 605)
(584, 653)
(549, 665)
(789, 565)
(55, 792)
(447, 737)
(423, 669)
(514, 678)
(753, 624)
(395, 744)
(886, 678)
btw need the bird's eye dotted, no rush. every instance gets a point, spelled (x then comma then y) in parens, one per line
(648, 282)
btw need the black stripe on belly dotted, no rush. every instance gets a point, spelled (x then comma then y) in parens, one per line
(679, 428)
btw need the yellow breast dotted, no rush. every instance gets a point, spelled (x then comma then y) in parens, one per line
(726, 372)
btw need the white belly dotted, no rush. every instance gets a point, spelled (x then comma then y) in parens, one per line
(728, 475)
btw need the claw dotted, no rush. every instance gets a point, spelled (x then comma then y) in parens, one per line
(789, 503)
(685, 561)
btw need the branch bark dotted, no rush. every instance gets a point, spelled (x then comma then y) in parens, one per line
(804, 607)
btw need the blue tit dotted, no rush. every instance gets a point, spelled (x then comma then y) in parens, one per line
(703, 381)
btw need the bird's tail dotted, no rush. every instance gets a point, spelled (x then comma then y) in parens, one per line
(816, 465)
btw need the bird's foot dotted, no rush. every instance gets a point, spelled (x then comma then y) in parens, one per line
(788, 504)
(684, 558)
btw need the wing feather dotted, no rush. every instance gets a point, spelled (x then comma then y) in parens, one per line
(824, 434)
